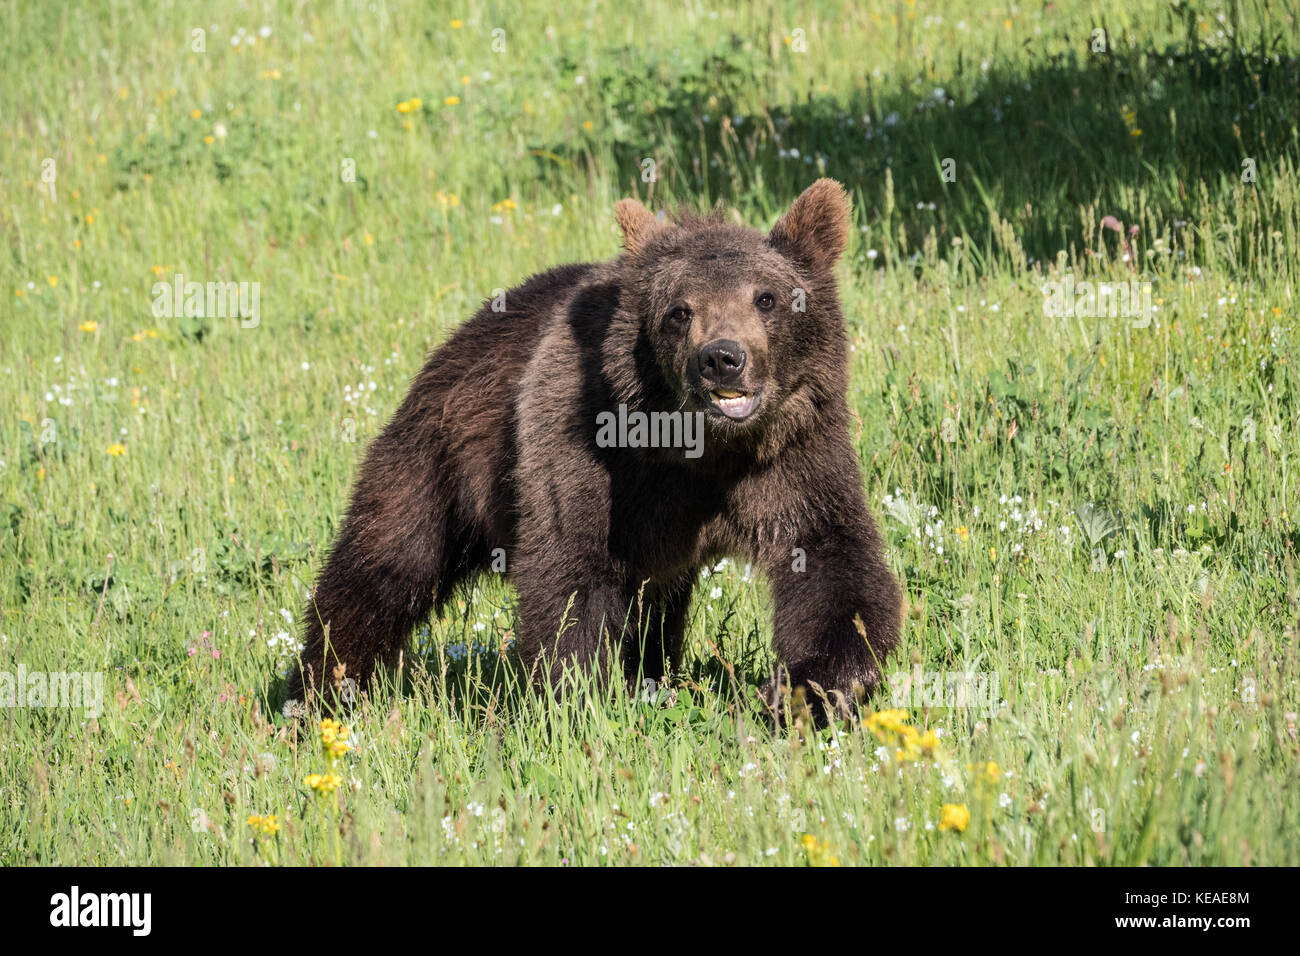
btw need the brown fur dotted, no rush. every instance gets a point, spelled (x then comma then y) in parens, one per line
(495, 447)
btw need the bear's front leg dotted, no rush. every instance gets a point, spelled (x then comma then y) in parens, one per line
(573, 614)
(836, 613)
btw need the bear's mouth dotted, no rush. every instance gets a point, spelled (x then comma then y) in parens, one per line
(733, 403)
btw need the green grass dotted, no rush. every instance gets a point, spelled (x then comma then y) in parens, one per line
(1146, 656)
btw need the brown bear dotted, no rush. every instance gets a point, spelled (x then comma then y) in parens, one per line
(606, 431)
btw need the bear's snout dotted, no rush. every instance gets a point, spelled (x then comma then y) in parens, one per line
(721, 362)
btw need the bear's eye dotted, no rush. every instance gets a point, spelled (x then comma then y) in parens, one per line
(765, 301)
(679, 314)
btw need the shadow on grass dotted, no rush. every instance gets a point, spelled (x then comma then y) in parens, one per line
(1154, 138)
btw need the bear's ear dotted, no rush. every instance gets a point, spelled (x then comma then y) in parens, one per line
(636, 221)
(816, 228)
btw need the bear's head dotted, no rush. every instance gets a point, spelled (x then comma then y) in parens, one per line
(741, 325)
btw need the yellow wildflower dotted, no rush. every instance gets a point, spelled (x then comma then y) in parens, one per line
(909, 745)
(333, 738)
(819, 852)
(954, 816)
(269, 824)
(323, 783)
(885, 722)
(929, 743)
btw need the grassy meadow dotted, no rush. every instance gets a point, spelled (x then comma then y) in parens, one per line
(1097, 515)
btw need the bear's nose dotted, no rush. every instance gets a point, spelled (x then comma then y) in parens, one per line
(721, 362)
